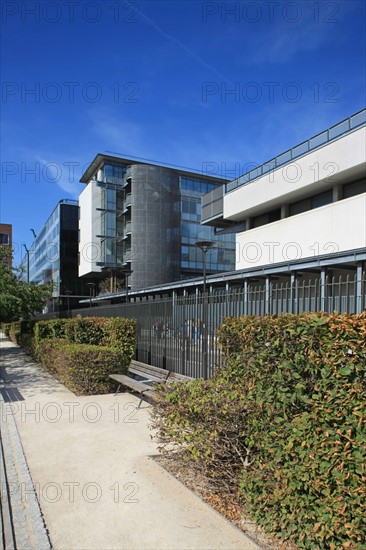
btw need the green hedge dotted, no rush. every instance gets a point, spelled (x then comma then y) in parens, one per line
(20, 332)
(284, 422)
(83, 368)
(5, 327)
(68, 348)
(81, 352)
(115, 332)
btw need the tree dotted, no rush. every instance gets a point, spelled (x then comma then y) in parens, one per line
(18, 299)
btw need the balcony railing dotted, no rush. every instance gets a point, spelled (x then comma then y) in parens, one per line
(334, 132)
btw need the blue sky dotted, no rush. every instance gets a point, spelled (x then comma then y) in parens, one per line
(181, 82)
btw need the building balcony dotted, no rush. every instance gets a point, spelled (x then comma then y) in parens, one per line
(127, 255)
(128, 228)
(336, 227)
(127, 202)
(338, 162)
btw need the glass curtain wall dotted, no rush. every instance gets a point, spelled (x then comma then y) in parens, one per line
(222, 256)
(112, 217)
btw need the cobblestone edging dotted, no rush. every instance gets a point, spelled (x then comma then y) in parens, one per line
(22, 523)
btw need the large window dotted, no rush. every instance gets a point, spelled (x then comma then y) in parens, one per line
(113, 173)
(312, 202)
(354, 188)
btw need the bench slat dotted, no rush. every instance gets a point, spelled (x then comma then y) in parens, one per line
(148, 375)
(131, 383)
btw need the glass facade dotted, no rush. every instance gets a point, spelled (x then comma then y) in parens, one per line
(44, 254)
(112, 217)
(53, 257)
(222, 256)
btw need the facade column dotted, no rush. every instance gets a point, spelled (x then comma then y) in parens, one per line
(284, 211)
(337, 192)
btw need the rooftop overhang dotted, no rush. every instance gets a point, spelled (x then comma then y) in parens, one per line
(103, 158)
(339, 260)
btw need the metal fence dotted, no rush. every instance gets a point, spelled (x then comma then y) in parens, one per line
(169, 331)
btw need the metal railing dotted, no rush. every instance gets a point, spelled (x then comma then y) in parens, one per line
(169, 331)
(334, 132)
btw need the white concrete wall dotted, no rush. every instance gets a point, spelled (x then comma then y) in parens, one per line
(339, 226)
(89, 227)
(308, 174)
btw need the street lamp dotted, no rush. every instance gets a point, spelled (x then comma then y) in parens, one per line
(127, 271)
(68, 292)
(27, 251)
(205, 246)
(91, 288)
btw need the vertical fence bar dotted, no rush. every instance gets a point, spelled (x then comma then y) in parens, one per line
(358, 294)
(173, 343)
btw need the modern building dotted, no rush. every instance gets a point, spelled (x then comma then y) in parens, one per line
(53, 258)
(6, 240)
(144, 219)
(303, 212)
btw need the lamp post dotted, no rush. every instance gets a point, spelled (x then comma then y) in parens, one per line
(68, 292)
(27, 251)
(205, 246)
(127, 271)
(91, 288)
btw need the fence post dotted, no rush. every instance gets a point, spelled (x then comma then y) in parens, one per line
(245, 296)
(267, 299)
(293, 293)
(323, 289)
(358, 285)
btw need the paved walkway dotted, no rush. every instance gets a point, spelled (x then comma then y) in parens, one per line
(90, 462)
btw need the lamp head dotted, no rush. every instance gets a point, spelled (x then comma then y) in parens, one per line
(205, 245)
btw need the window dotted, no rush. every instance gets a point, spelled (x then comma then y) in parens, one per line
(312, 202)
(354, 188)
(4, 238)
(268, 217)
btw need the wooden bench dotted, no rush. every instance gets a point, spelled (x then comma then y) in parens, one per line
(141, 376)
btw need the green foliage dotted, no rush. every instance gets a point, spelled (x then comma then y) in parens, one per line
(120, 333)
(285, 422)
(20, 332)
(59, 342)
(19, 299)
(54, 328)
(83, 368)
(85, 330)
(10, 307)
(5, 327)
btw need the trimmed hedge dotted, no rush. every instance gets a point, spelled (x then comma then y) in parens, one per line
(5, 327)
(81, 352)
(284, 422)
(114, 332)
(83, 368)
(19, 332)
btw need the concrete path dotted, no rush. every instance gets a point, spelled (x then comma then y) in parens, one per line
(98, 488)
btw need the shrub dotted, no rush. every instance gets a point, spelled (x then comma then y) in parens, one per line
(53, 328)
(120, 333)
(117, 332)
(83, 368)
(6, 328)
(10, 307)
(66, 340)
(20, 332)
(85, 330)
(284, 421)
